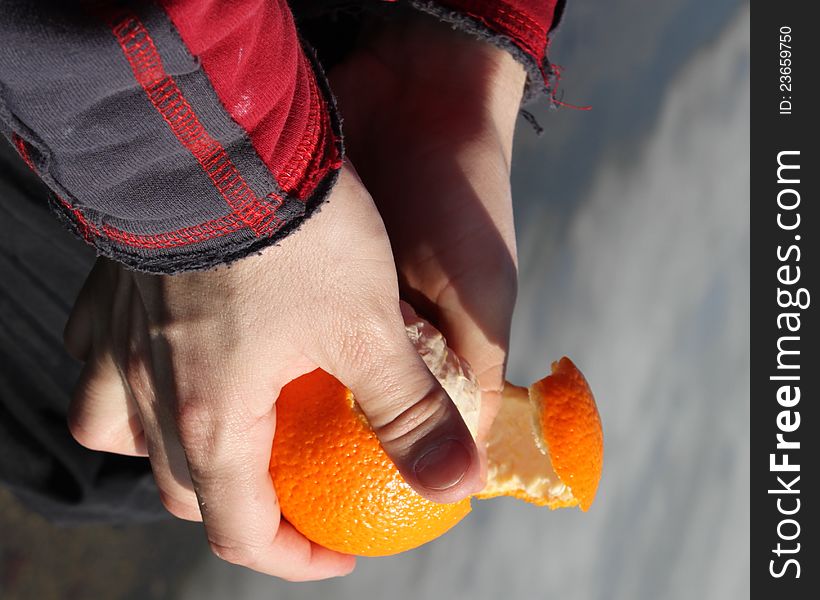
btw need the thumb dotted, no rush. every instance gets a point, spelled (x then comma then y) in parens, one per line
(416, 422)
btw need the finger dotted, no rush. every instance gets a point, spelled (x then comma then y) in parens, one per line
(101, 416)
(221, 412)
(487, 355)
(170, 468)
(415, 420)
(228, 448)
(78, 333)
(291, 556)
(136, 362)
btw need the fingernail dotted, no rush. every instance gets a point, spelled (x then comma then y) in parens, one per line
(443, 466)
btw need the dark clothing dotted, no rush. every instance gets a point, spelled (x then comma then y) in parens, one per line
(42, 267)
(182, 134)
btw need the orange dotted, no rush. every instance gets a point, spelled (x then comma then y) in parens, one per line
(337, 486)
(559, 463)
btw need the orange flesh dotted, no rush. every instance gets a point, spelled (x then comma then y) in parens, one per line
(518, 462)
(336, 485)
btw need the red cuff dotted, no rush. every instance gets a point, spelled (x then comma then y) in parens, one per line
(526, 22)
(521, 27)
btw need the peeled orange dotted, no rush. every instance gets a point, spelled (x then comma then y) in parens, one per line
(337, 486)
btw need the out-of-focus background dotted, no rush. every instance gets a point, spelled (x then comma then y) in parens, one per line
(633, 225)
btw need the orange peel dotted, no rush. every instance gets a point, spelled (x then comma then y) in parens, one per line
(337, 486)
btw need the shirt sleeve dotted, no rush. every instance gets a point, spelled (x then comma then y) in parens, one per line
(174, 135)
(521, 27)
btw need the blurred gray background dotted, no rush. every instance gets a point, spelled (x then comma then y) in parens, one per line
(633, 228)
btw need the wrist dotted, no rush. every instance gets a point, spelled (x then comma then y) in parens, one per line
(458, 65)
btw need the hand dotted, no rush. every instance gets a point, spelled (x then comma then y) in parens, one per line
(429, 119)
(187, 368)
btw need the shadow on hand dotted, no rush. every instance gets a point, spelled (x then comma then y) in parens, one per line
(438, 171)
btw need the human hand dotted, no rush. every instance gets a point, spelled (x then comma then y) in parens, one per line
(429, 119)
(186, 369)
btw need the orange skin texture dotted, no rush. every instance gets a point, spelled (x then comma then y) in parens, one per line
(335, 483)
(337, 486)
(572, 429)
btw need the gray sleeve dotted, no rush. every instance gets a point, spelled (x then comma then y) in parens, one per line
(146, 160)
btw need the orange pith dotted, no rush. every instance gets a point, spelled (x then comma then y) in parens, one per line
(335, 483)
(337, 486)
(572, 429)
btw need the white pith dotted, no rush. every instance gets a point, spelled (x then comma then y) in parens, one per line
(454, 374)
(518, 460)
(517, 456)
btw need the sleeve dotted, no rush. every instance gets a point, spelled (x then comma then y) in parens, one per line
(521, 27)
(174, 135)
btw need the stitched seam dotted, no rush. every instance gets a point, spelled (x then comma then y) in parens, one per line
(317, 152)
(520, 17)
(181, 237)
(508, 12)
(507, 20)
(301, 158)
(166, 97)
(319, 161)
(329, 158)
(86, 228)
(169, 101)
(22, 150)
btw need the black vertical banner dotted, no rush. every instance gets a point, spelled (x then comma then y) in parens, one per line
(785, 545)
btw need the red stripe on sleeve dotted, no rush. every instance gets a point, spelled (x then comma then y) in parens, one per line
(86, 228)
(526, 22)
(165, 95)
(254, 60)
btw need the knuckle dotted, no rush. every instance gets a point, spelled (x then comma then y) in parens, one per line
(186, 510)
(368, 343)
(193, 421)
(243, 555)
(491, 376)
(214, 435)
(354, 350)
(409, 423)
